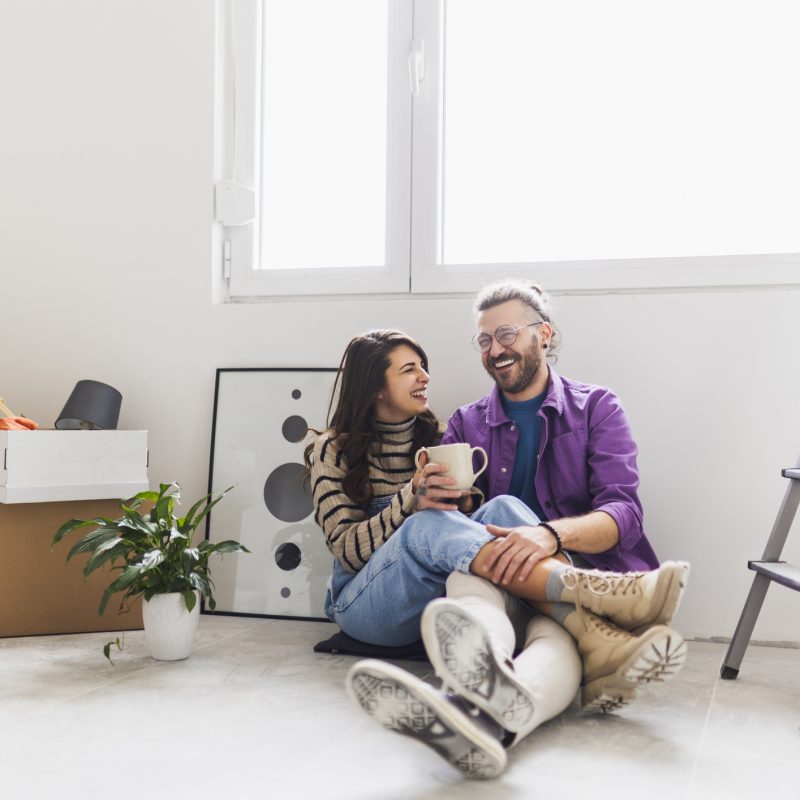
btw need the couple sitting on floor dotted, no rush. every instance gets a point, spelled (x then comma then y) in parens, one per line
(545, 555)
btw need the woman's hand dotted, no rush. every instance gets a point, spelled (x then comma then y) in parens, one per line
(430, 487)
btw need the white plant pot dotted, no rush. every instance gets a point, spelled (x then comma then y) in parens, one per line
(169, 628)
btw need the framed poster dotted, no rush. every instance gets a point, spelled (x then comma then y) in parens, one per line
(259, 433)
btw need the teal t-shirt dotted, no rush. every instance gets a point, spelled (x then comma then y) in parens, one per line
(525, 415)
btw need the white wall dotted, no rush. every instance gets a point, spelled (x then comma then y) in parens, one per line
(106, 166)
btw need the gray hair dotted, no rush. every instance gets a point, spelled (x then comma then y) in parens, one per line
(527, 292)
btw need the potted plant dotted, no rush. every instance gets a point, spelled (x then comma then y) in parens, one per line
(159, 562)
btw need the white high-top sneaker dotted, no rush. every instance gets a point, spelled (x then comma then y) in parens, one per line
(463, 656)
(616, 663)
(403, 703)
(631, 600)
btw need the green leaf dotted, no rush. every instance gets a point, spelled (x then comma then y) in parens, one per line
(151, 559)
(107, 545)
(190, 523)
(190, 598)
(104, 600)
(130, 579)
(169, 490)
(93, 540)
(119, 550)
(227, 546)
(145, 496)
(162, 513)
(107, 649)
(73, 524)
(185, 524)
(189, 559)
(134, 531)
(135, 519)
(200, 581)
(129, 575)
(207, 510)
(176, 534)
(177, 583)
(142, 497)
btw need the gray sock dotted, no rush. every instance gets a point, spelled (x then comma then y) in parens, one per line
(554, 587)
(561, 611)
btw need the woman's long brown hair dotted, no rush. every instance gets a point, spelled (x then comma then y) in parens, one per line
(351, 424)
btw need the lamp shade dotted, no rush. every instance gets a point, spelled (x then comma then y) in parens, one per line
(92, 406)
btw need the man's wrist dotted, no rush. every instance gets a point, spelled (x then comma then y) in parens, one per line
(548, 527)
(464, 503)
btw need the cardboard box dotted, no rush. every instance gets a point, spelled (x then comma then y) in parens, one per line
(47, 466)
(41, 594)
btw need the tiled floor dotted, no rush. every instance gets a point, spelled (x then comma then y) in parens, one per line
(254, 713)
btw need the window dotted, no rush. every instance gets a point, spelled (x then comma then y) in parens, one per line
(429, 146)
(318, 194)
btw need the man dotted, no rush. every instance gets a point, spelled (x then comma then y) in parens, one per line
(565, 450)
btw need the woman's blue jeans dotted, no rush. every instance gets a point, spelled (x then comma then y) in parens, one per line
(383, 602)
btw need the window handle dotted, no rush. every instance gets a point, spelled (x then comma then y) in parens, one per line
(416, 65)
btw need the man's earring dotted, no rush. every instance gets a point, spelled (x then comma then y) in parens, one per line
(380, 395)
(544, 346)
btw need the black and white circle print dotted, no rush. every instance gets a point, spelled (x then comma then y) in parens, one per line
(294, 429)
(287, 556)
(286, 495)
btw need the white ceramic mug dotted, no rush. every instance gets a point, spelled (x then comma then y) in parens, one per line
(458, 458)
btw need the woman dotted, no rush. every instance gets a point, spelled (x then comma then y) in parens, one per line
(398, 545)
(365, 487)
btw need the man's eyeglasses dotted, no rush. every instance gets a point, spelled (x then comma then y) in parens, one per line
(505, 335)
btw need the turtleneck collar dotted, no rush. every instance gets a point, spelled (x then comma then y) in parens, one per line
(390, 428)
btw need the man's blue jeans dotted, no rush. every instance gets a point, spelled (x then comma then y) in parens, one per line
(383, 602)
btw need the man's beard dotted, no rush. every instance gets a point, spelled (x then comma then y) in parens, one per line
(529, 365)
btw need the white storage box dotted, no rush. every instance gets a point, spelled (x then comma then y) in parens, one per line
(47, 466)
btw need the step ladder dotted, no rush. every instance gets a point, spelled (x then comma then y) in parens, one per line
(769, 569)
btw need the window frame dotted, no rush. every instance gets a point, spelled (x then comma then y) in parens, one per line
(414, 158)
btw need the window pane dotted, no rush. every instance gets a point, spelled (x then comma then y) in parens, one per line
(619, 129)
(324, 104)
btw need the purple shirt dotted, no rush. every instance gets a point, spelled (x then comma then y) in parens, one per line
(586, 462)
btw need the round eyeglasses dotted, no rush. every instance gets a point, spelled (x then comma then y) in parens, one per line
(505, 335)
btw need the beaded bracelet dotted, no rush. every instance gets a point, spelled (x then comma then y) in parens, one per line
(549, 527)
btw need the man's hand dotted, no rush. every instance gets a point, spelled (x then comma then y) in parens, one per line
(516, 551)
(430, 488)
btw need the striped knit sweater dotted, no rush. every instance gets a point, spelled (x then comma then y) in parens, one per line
(351, 536)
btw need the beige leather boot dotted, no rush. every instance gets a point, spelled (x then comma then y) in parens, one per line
(631, 600)
(616, 663)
